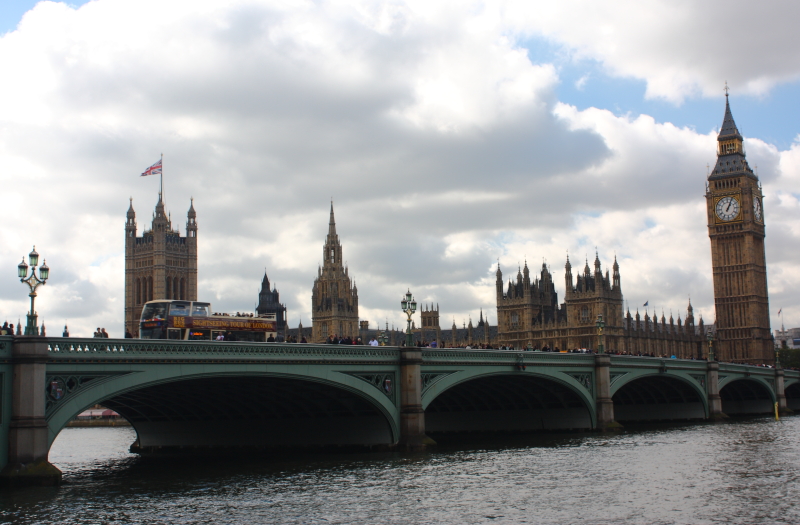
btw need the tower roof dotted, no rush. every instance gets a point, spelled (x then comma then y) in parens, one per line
(731, 157)
(131, 213)
(728, 129)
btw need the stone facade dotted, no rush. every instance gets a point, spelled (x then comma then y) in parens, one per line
(530, 317)
(161, 264)
(334, 299)
(734, 204)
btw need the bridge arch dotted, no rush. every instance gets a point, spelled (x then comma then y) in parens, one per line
(189, 408)
(659, 397)
(469, 401)
(792, 392)
(746, 395)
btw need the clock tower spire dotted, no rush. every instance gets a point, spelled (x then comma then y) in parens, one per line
(736, 229)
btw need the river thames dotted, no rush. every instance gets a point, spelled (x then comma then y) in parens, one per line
(745, 471)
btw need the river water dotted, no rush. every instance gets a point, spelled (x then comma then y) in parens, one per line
(744, 471)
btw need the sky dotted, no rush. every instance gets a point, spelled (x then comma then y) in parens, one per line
(449, 135)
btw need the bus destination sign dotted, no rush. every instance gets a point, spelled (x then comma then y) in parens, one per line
(215, 323)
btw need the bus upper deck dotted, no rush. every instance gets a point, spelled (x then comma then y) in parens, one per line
(193, 321)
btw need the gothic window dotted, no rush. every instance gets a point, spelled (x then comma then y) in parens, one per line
(324, 330)
(175, 289)
(333, 255)
(169, 288)
(149, 288)
(183, 293)
(138, 291)
(515, 320)
(584, 315)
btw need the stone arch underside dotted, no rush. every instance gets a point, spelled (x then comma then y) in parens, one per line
(792, 393)
(657, 398)
(257, 411)
(507, 403)
(746, 396)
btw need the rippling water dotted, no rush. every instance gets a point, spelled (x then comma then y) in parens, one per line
(739, 472)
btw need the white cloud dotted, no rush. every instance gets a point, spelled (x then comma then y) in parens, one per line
(680, 48)
(442, 145)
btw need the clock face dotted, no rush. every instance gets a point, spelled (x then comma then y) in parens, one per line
(727, 208)
(757, 209)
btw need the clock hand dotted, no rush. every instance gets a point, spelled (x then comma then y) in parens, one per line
(729, 206)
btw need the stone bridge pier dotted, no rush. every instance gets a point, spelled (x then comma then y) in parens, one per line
(28, 445)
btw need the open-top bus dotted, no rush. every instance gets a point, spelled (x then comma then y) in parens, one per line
(193, 321)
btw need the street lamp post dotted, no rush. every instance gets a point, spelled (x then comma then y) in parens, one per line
(710, 338)
(409, 306)
(600, 325)
(33, 283)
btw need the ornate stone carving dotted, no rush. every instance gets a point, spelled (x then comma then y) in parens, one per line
(583, 379)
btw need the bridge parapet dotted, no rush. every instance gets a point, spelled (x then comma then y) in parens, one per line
(137, 349)
(660, 362)
(6, 343)
(510, 357)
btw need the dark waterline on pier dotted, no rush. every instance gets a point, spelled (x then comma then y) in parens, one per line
(743, 471)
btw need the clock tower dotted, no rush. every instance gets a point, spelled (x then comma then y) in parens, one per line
(736, 228)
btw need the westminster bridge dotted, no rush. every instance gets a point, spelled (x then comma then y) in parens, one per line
(206, 395)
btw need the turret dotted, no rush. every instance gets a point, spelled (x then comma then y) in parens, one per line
(526, 276)
(616, 277)
(130, 224)
(499, 283)
(597, 271)
(568, 277)
(191, 221)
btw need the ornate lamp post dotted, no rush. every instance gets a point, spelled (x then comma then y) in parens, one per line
(600, 325)
(409, 306)
(33, 283)
(710, 338)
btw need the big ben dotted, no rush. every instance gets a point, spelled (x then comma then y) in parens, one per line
(736, 229)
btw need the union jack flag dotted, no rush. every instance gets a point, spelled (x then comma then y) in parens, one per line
(155, 169)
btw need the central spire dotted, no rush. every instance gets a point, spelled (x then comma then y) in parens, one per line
(332, 252)
(332, 223)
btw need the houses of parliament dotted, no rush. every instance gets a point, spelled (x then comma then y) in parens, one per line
(162, 264)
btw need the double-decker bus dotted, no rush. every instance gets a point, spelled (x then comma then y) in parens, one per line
(193, 321)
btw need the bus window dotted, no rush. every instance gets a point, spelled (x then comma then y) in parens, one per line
(154, 311)
(174, 333)
(200, 309)
(179, 308)
(156, 332)
(200, 335)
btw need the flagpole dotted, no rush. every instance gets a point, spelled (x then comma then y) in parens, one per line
(161, 175)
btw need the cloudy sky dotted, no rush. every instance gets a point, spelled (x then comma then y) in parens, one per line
(448, 134)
